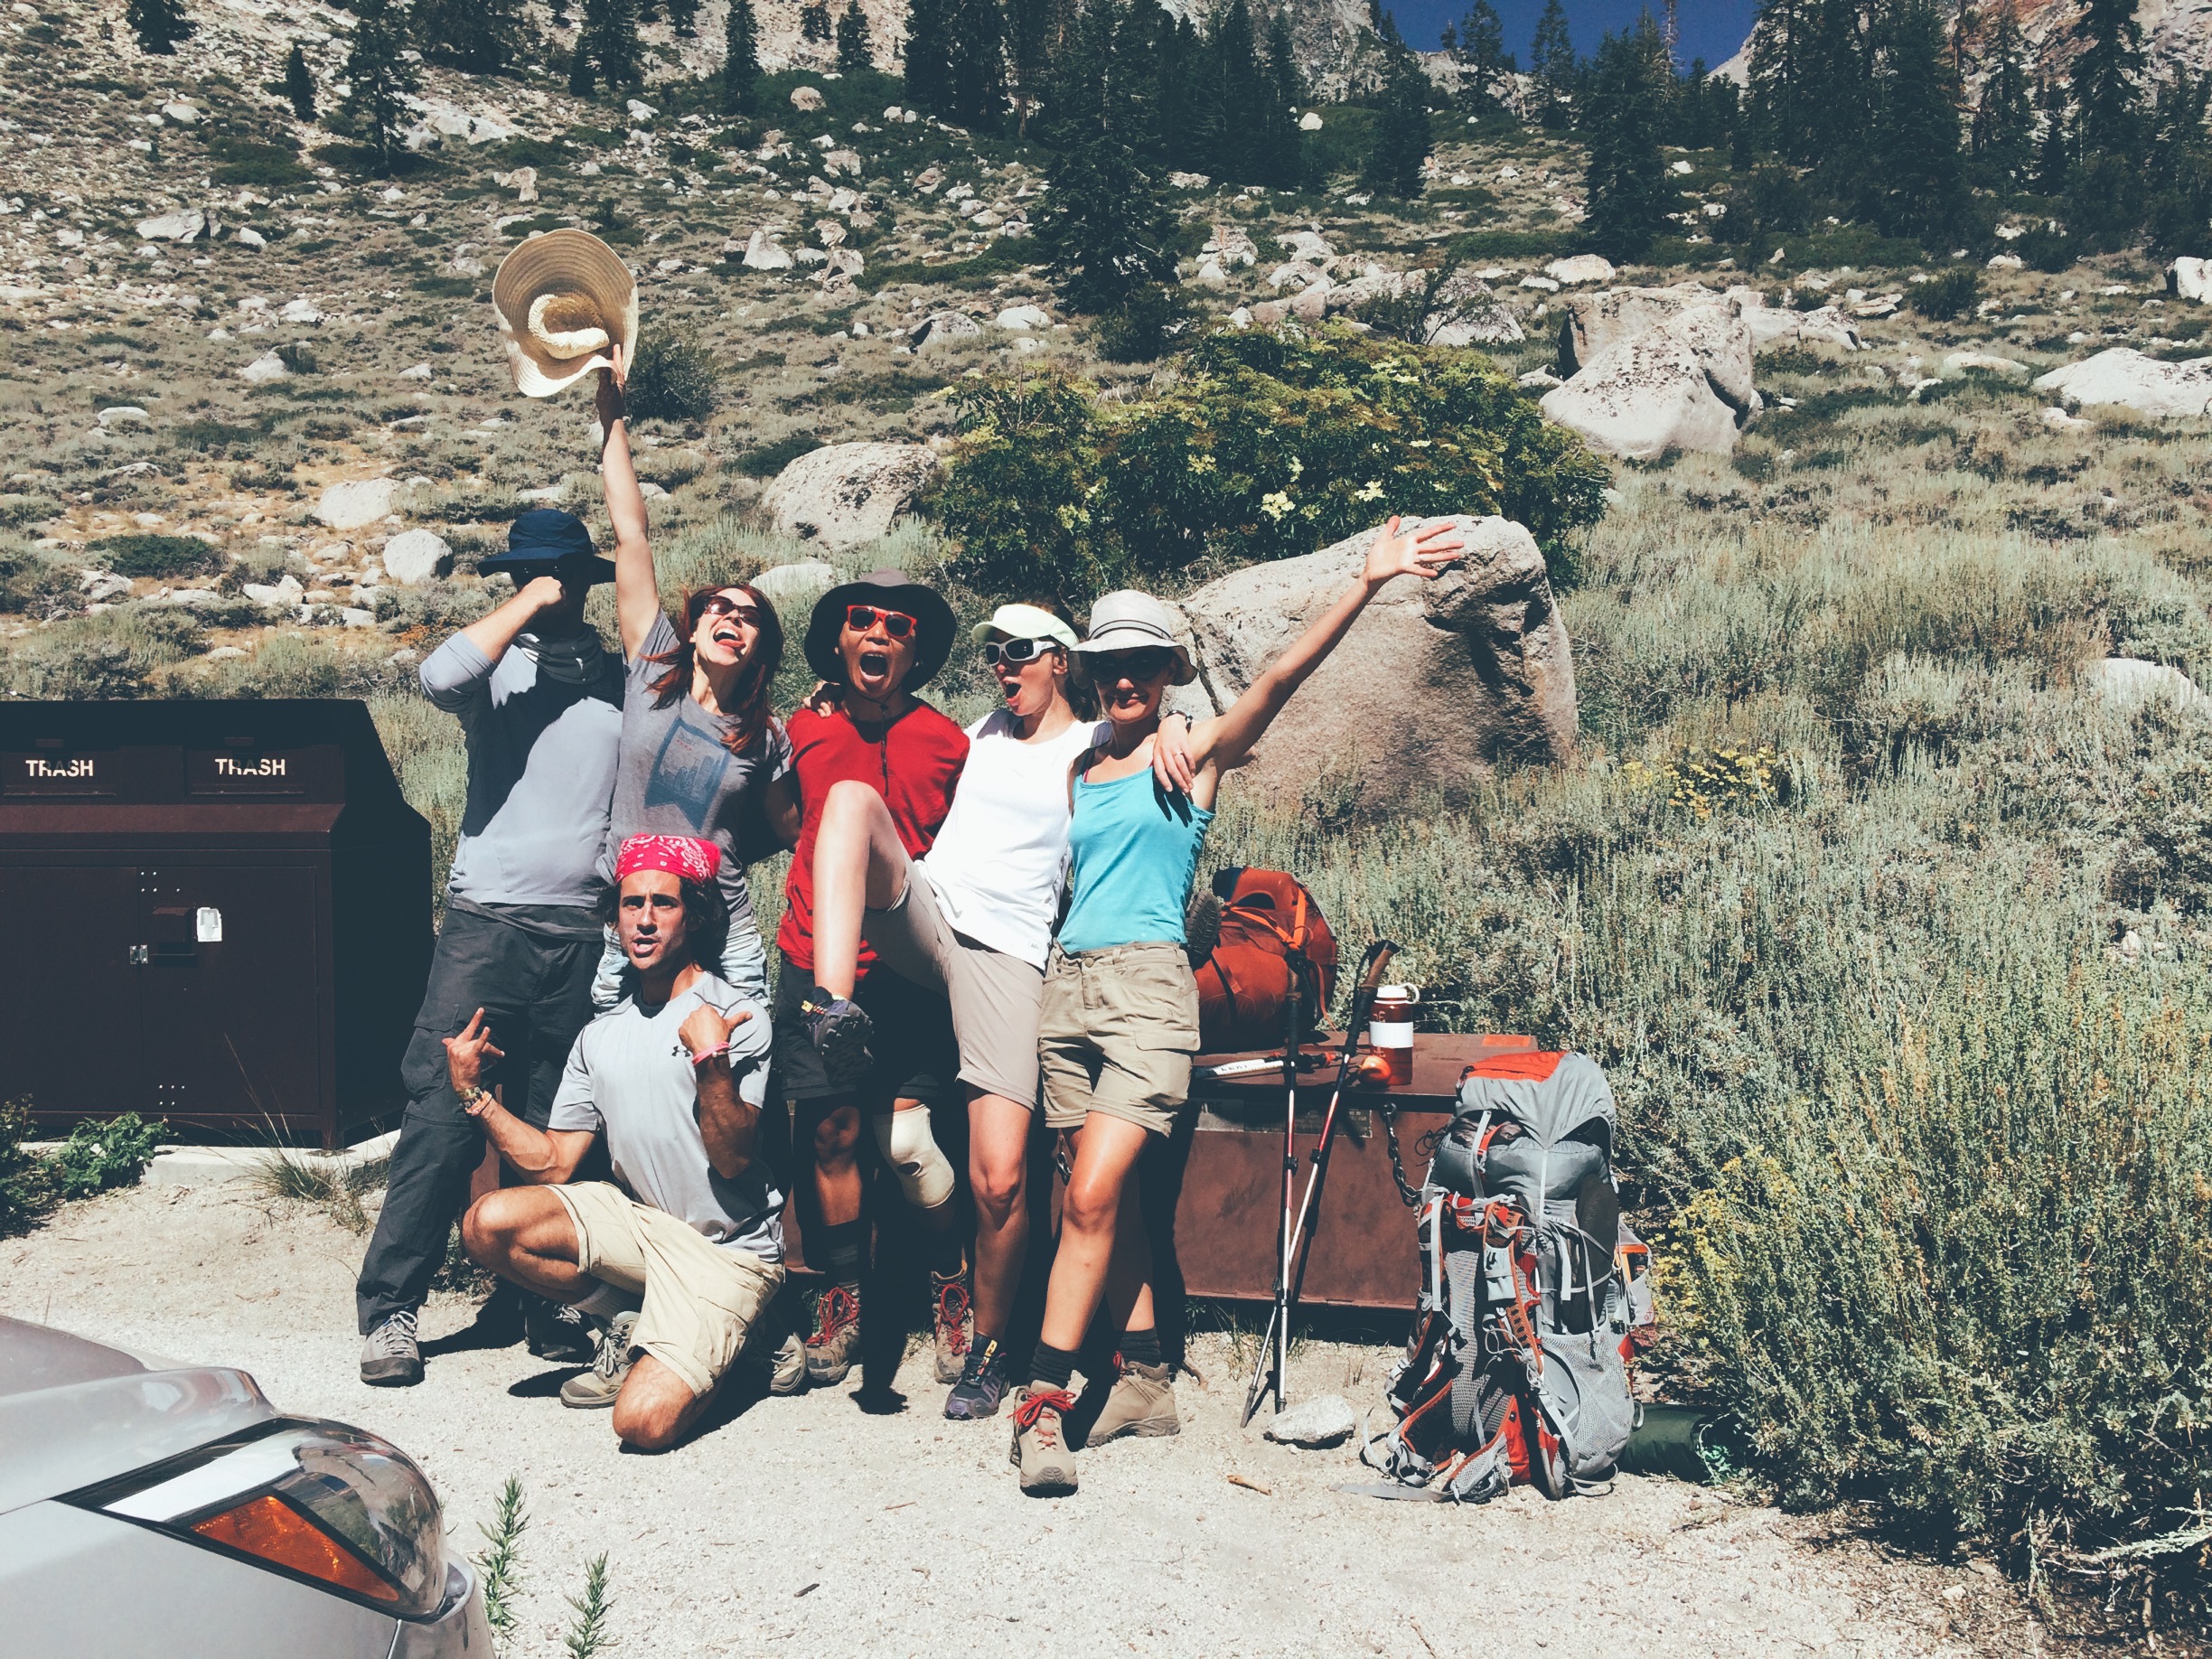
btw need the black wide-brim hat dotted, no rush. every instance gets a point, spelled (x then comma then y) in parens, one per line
(892, 590)
(547, 538)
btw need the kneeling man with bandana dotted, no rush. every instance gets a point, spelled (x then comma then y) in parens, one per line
(683, 1252)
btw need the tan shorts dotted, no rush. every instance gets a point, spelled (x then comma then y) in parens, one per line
(994, 995)
(701, 1299)
(1118, 1030)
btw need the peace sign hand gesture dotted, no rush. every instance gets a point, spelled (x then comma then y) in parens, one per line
(1396, 553)
(467, 1054)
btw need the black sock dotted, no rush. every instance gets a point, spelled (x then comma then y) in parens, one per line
(843, 1248)
(947, 1259)
(1052, 1368)
(1141, 1347)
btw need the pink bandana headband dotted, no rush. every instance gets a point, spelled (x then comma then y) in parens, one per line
(682, 856)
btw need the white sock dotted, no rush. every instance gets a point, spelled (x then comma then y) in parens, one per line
(605, 1301)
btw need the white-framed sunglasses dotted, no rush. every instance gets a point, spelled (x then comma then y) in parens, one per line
(1013, 653)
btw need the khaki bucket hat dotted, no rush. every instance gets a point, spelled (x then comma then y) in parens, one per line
(564, 299)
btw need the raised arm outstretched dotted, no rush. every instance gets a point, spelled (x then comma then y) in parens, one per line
(1224, 742)
(637, 594)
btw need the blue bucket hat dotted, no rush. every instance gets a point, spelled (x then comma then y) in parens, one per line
(545, 538)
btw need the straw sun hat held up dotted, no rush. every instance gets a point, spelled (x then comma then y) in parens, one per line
(563, 300)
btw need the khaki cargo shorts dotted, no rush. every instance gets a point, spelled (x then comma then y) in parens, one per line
(701, 1299)
(995, 997)
(1118, 1031)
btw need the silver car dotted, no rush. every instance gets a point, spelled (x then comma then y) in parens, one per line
(149, 1508)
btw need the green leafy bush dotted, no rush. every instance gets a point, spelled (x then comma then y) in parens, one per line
(2045, 249)
(24, 1188)
(99, 1157)
(769, 459)
(1268, 446)
(672, 379)
(147, 555)
(1948, 295)
(249, 161)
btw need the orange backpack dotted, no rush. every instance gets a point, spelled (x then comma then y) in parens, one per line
(1266, 918)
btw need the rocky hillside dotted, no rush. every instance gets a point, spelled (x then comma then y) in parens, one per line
(2175, 32)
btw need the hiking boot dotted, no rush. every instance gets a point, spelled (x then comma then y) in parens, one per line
(554, 1331)
(596, 1389)
(787, 1369)
(982, 1384)
(392, 1356)
(840, 1029)
(1040, 1449)
(955, 1322)
(1142, 1403)
(836, 1340)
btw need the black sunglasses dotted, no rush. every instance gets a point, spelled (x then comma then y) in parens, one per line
(722, 604)
(1148, 663)
(1013, 653)
(860, 618)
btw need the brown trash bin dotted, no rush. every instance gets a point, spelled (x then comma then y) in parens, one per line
(217, 913)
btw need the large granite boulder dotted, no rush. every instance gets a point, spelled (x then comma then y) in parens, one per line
(843, 494)
(1595, 323)
(1685, 384)
(1436, 681)
(2145, 384)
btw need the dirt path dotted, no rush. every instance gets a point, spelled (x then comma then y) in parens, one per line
(806, 1522)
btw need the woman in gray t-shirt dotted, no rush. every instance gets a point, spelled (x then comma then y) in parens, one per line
(699, 745)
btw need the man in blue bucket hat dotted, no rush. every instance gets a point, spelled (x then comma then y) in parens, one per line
(541, 703)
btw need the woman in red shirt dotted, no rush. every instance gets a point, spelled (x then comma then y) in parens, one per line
(873, 642)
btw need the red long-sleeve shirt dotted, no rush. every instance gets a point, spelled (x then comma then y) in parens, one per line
(913, 764)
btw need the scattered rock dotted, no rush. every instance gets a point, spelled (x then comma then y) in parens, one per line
(420, 372)
(415, 557)
(793, 588)
(2189, 279)
(2125, 376)
(1310, 122)
(1538, 379)
(1189, 181)
(846, 162)
(1325, 1420)
(2131, 679)
(352, 506)
(122, 414)
(182, 227)
(2060, 417)
(522, 180)
(1685, 384)
(843, 494)
(1546, 283)
(263, 369)
(1435, 682)
(1983, 362)
(762, 253)
(299, 311)
(641, 111)
(100, 585)
(1578, 270)
(939, 326)
(1229, 244)
(807, 98)
(180, 112)
(1020, 319)
(1308, 245)
(245, 236)
(285, 590)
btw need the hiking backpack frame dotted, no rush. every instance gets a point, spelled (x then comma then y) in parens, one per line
(1535, 1294)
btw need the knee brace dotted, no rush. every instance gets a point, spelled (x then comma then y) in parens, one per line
(925, 1173)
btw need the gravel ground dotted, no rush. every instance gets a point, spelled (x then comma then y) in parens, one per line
(812, 1524)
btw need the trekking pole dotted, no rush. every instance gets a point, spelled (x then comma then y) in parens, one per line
(1269, 1371)
(1275, 1346)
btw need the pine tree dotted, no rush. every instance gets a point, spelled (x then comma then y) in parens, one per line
(814, 22)
(1482, 48)
(1551, 64)
(740, 55)
(1102, 229)
(976, 65)
(480, 36)
(1919, 183)
(1237, 99)
(607, 48)
(299, 84)
(683, 17)
(927, 62)
(158, 25)
(2107, 75)
(2180, 160)
(379, 78)
(1626, 191)
(2054, 141)
(1401, 135)
(2004, 119)
(1286, 89)
(854, 51)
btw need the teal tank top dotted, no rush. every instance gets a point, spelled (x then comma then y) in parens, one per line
(1132, 850)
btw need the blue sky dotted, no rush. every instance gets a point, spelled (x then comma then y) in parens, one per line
(1710, 29)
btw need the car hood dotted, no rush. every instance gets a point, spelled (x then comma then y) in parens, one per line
(74, 1411)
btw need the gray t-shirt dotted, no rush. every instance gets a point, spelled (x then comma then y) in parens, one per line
(675, 777)
(630, 1078)
(542, 723)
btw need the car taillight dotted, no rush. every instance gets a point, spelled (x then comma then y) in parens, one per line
(318, 1500)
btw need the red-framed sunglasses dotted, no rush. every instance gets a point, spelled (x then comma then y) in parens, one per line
(860, 618)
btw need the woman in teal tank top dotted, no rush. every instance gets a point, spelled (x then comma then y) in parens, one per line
(1121, 1015)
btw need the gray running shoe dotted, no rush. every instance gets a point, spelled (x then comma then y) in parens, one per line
(787, 1374)
(596, 1389)
(1142, 1403)
(1040, 1445)
(392, 1356)
(555, 1331)
(840, 1030)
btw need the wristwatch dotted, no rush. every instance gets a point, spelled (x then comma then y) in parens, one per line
(477, 1100)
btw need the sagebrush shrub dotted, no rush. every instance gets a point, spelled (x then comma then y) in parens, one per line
(1950, 293)
(148, 555)
(672, 379)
